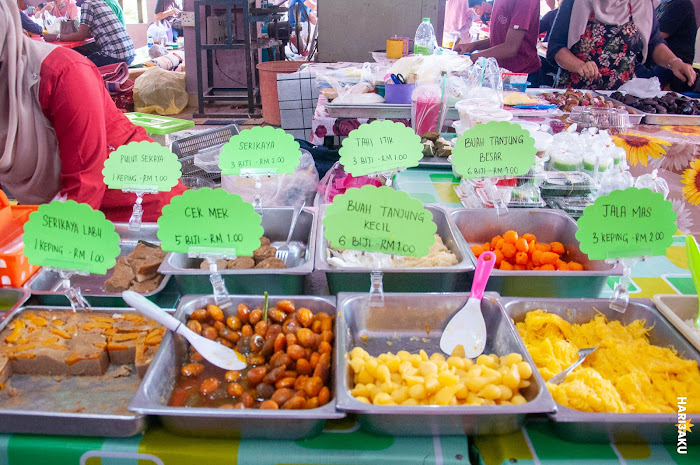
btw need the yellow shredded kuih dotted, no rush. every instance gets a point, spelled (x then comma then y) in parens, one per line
(625, 375)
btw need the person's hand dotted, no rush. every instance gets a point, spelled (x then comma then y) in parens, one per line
(464, 47)
(50, 37)
(683, 71)
(589, 70)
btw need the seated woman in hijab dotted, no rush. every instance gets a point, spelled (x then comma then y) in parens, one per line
(54, 139)
(61, 9)
(598, 43)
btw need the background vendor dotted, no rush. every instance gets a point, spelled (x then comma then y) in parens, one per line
(513, 40)
(54, 138)
(98, 20)
(598, 43)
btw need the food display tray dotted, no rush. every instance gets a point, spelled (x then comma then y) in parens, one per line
(635, 116)
(276, 222)
(659, 119)
(480, 225)
(678, 308)
(400, 279)
(154, 393)
(401, 325)
(10, 299)
(46, 285)
(75, 405)
(591, 427)
(378, 110)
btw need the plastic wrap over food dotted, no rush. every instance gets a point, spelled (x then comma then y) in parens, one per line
(278, 190)
(652, 181)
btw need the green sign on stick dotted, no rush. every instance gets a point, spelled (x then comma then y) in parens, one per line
(380, 146)
(379, 219)
(494, 149)
(209, 221)
(260, 150)
(142, 166)
(72, 236)
(627, 223)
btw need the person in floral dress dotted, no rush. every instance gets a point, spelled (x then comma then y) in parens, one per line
(598, 43)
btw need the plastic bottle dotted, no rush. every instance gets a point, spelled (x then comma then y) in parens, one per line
(424, 43)
(150, 39)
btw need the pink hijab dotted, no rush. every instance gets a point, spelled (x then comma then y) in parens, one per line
(612, 12)
(30, 166)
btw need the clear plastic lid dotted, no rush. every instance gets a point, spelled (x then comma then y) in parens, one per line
(614, 120)
(567, 184)
(574, 206)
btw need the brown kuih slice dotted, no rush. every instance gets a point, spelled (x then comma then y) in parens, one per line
(144, 357)
(145, 261)
(5, 369)
(148, 285)
(121, 277)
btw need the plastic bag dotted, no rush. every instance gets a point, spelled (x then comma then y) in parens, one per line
(429, 68)
(642, 88)
(337, 181)
(161, 31)
(281, 190)
(159, 91)
(652, 181)
(428, 108)
(52, 24)
(484, 80)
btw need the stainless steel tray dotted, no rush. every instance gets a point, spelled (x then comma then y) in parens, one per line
(635, 115)
(10, 299)
(575, 425)
(378, 110)
(400, 279)
(402, 322)
(276, 221)
(154, 393)
(45, 285)
(75, 405)
(480, 225)
(659, 119)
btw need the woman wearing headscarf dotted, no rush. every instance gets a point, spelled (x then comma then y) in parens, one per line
(598, 43)
(62, 9)
(55, 112)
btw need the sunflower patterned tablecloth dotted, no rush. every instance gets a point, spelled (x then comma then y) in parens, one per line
(674, 152)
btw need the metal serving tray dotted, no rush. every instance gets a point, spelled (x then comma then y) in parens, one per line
(75, 405)
(46, 288)
(378, 110)
(635, 116)
(10, 299)
(659, 119)
(588, 427)
(276, 222)
(480, 225)
(402, 323)
(154, 393)
(678, 309)
(400, 279)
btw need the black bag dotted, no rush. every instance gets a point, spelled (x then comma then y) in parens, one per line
(324, 158)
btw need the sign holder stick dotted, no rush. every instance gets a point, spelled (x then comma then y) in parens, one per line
(75, 297)
(221, 294)
(376, 288)
(137, 211)
(621, 296)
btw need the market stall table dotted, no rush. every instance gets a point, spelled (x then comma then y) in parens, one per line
(67, 44)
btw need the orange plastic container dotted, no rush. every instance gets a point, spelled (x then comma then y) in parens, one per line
(15, 269)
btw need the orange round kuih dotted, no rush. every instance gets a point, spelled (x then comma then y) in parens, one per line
(557, 247)
(521, 258)
(495, 240)
(508, 250)
(499, 257)
(547, 267)
(549, 258)
(510, 236)
(575, 266)
(529, 237)
(506, 266)
(521, 245)
(477, 250)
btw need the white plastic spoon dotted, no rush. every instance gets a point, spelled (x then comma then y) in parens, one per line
(212, 351)
(467, 327)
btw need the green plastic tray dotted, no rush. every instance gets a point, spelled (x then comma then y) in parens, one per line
(160, 125)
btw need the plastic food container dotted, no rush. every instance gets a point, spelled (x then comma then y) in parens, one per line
(614, 120)
(567, 184)
(15, 269)
(401, 325)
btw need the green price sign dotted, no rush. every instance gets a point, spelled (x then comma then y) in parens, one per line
(379, 219)
(629, 223)
(72, 236)
(209, 221)
(380, 146)
(494, 149)
(142, 166)
(260, 150)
